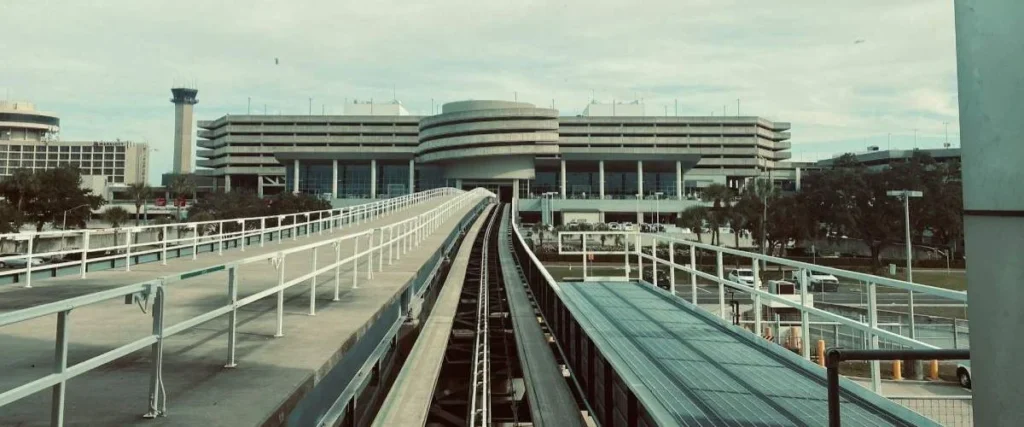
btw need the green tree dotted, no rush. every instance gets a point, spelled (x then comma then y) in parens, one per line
(115, 216)
(10, 218)
(139, 193)
(182, 186)
(693, 218)
(60, 191)
(720, 198)
(20, 188)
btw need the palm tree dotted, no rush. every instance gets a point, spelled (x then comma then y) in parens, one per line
(718, 195)
(181, 187)
(116, 216)
(693, 218)
(139, 193)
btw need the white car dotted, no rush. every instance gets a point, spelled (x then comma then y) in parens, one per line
(18, 262)
(743, 276)
(628, 226)
(963, 373)
(819, 282)
(614, 226)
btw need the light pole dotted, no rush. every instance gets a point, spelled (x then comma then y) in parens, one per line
(905, 195)
(64, 224)
(639, 218)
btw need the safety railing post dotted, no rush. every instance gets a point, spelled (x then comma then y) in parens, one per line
(263, 231)
(672, 267)
(280, 296)
(241, 236)
(639, 256)
(220, 238)
(295, 227)
(28, 263)
(876, 373)
(163, 245)
(156, 398)
(805, 343)
(720, 271)
(584, 257)
(195, 241)
(625, 255)
(280, 229)
(654, 261)
(755, 267)
(369, 255)
(128, 250)
(337, 269)
(380, 249)
(85, 252)
(233, 315)
(312, 284)
(355, 262)
(693, 274)
(391, 243)
(60, 364)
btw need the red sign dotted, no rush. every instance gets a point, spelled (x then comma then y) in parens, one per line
(160, 201)
(181, 202)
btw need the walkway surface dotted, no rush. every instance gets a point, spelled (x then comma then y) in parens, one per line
(272, 373)
(689, 368)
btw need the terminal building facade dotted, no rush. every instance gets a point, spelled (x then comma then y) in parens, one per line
(611, 163)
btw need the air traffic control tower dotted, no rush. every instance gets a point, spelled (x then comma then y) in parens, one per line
(183, 99)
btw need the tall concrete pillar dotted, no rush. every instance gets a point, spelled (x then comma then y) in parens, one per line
(295, 177)
(561, 177)
(990, 76)
(334, 179)
(227, 183)
(412, 176)
(515, 189)
(259, 186)
(600, 177)
(799, 172)
(458, 184)
(640, 178)
(679, 180)
(373, 178)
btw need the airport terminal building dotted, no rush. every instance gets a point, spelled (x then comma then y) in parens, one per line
(611, 163)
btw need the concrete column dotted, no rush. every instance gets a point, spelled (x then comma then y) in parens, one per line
(259, 186)
(515, 189)
(373, 179)
(990, 76)
(227, 183)
(412, 176)
(679, 180)
(600, 178)
(458, 184)
(798, 173)
(295, 177)
(334, 179)
(640, 178)
(562, 178)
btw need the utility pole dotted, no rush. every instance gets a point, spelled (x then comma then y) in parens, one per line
(737, 106)
(248, 106)
(310, 106)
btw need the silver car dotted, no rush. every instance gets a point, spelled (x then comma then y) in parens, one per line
(18, 262)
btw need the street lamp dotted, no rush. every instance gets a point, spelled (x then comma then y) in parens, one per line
(64, 224)
(905, 195)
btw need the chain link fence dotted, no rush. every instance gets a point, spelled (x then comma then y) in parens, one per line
(950, 411)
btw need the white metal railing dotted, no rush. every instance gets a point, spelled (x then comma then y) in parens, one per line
(636, 250)
(198, 234)
(390, 240)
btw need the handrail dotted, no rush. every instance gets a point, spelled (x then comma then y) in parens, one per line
(402, 237)
(251, 227)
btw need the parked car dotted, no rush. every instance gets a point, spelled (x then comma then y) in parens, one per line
(818, 282)
(963, 373)
(628, 226)
(614, 226)
(663, 277)
(743, 276)
(18, 262)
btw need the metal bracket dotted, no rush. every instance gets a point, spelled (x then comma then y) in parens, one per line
(275, 261)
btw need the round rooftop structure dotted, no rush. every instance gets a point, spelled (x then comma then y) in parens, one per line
(487, 129)
(19, 121)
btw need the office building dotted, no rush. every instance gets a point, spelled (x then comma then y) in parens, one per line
(593, 166)
(29, 139)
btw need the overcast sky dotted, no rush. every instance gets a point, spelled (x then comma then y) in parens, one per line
(844, 73)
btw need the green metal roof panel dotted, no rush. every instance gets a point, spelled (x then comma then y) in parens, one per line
(691, 368)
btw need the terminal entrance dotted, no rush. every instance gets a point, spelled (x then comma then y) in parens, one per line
(502, 188)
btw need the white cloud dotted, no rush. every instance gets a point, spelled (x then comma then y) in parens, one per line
(106, 68)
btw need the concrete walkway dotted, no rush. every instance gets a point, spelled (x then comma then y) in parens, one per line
(272, 373)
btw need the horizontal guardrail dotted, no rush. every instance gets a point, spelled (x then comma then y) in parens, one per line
(198, 234)
(637, 251)
(395, 239)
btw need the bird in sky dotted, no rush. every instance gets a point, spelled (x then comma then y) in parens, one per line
(277, 61)
(858, 41)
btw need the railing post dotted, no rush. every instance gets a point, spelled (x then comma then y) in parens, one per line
(233, 316)
(220, 238)
(295, 227)
(755, 267)
(720, 270)
(128, 250)
(60, 364)
(195, 241)
(956, 335)
(85, 252)
(672, 267)
(263, 230)
(355, 262)
(805, 351)
(156, 403)
(28, 263)
(693, 274)
(876, 375)
(835, 333)
(380, 250)
(312, 284)
(639, 256)
(584, 257)
(280, 297)
(369, 254)
(391, 243)
(163, 246)
(337, 269)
